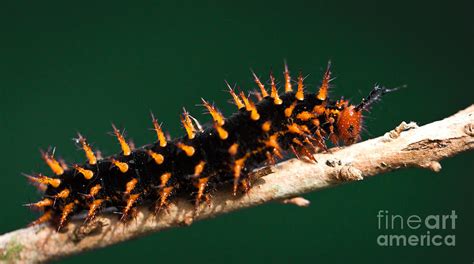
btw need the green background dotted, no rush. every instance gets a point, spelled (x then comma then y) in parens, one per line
(80, 66)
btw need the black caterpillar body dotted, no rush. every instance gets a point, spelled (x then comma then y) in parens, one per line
(223, 153)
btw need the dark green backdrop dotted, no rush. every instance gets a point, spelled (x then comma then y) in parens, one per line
(80, 66)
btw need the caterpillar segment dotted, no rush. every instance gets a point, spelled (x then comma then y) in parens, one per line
(224, 152)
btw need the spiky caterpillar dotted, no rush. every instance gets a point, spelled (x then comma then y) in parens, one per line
(205, 158)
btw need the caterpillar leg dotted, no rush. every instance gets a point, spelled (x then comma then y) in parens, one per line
(163, 200)
(67, 210)
(245, 185)
(201, 185)
(131, 203)
(94, 208)
(207, 199)
(300, 149)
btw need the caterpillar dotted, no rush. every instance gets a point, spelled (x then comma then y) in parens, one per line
(223, 152)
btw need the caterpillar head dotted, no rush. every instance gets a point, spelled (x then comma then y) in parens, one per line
(349, 123)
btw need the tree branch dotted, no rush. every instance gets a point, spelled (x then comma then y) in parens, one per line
(406, 146)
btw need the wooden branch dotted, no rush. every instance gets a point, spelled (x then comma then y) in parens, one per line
(406, 146)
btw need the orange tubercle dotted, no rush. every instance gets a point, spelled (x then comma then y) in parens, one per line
(294, 128)
(254, 115)
(272, 141)
(130, 185)
(319, 109)
(159, 132)
(223, 134)
(199, 168)
(250, 107)
(267, 126)
(122, 166)
(300, 92)
(305, 116)
(45, 180)
(260, 85)
(323, 90)
(233, 149)
(238, 166)
(41, 204)
(189, 150)
(246, 101)
(216, 115)
(123, 144)
(63, 194)
(289, 109)
(164, 178)
(286, 73)
(236, 98)
(88, 150)
(274, 91)
(95, 190)
(52, 163)
(88, 174)
(158, 158)
(188, 125)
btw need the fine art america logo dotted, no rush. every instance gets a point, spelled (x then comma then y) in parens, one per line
(416, 230)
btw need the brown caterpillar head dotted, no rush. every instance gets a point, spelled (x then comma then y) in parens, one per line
(349, 124)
